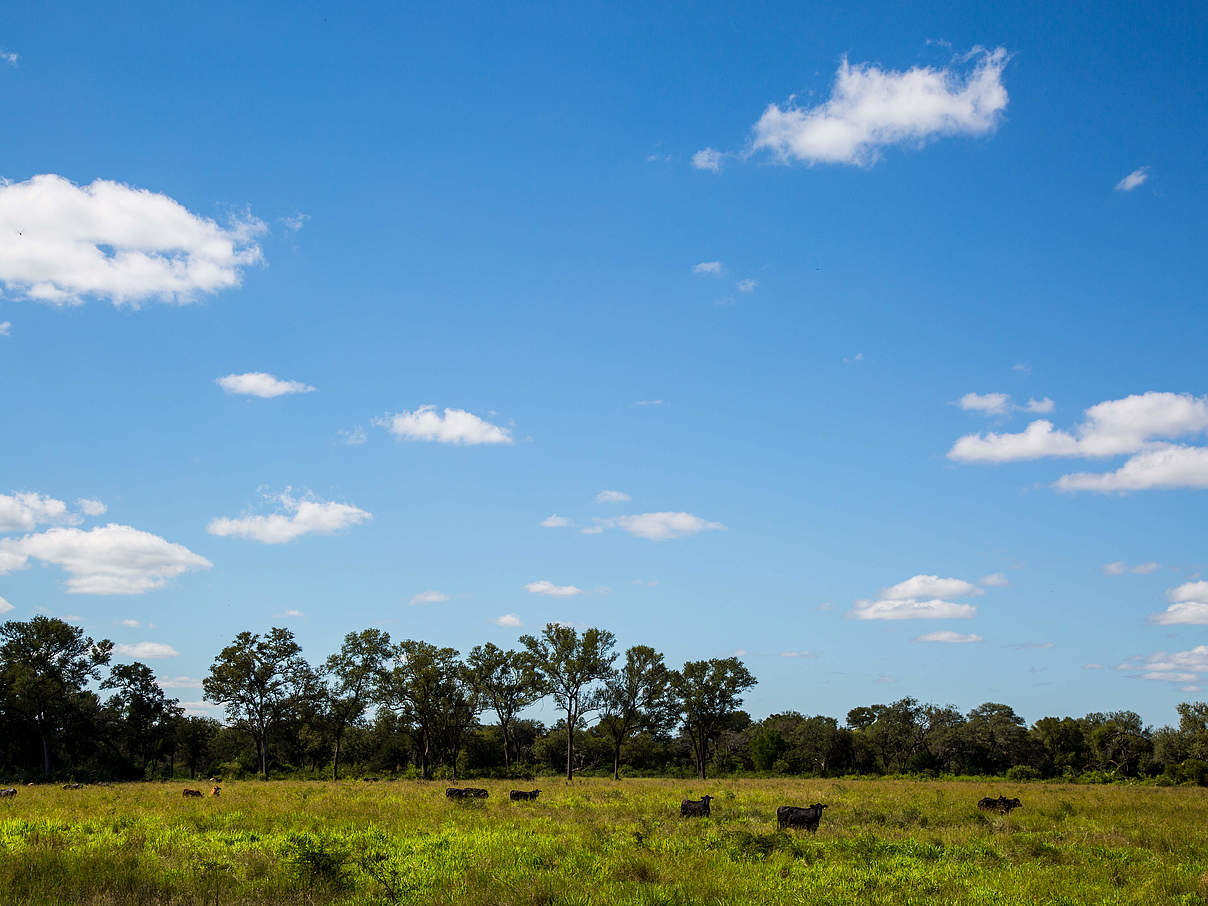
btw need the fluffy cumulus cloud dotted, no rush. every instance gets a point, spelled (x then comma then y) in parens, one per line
(1134, 179)
(949, 638)
(24, 510)
(107, 560)
(545, 587)
(708, 268)
(453, 426)
(5, 607)
(707, 159)
(300, 517)
(921, 597)
(1188, 605)
(91, 507)
(66, 243)
(658, 526)
(612, 497)
(508, 621)
(179, 682)
(1141, 426)
(428, 597)
(871, 108)
(6, 328)
(141, 651)
(258, 383)
(1171, 667)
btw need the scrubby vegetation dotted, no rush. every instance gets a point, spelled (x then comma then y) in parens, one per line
(599, 841)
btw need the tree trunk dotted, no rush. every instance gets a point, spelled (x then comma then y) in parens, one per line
(45, 754)
(616, 762)
(507, 763)
(423, 756)
(335, 761)
(263, 746)
(570, 747)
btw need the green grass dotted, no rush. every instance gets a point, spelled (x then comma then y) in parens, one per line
(600, 842)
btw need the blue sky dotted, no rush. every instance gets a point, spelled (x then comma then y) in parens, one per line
(587, 238)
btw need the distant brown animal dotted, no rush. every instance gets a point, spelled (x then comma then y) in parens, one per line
(695, 808)
(216, 791)
(191, 793)
(73, 786)
(8, 792)
(522, 795)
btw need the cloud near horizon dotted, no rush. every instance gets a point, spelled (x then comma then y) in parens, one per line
(545, 587)
(1188, 607)
(146, 651)
(921, 597)
(871, 109)
(106, 240)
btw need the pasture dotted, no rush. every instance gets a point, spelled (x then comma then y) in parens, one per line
(600, 842)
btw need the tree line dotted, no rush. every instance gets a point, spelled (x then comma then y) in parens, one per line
(411, 708)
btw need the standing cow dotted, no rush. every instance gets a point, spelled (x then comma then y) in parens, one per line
(695, 808)
(796, 816)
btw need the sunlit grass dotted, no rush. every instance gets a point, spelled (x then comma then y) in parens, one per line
(597, 841)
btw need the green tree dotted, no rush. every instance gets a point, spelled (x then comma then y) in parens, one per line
(146, 717)
(636, 697)
(417, 686)
(45, 664)
(997, 738)
(351, 677)
(571, 667)
(1193, 728)
(707, 693)
(507, 682)
(260, 681)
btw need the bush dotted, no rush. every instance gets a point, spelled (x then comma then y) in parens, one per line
(1022, 772)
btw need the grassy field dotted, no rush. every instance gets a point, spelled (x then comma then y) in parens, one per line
(602, 842)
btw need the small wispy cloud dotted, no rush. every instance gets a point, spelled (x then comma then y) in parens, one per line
(1119, 568)
(428, 597)
(852, 359)
(261, 384)
(649, 403)
(1024, 368)
(746, 286)
(555, 521)
(508, 621)
(354, 437)
(798, 654)
(545, 587)
(708, 268)
(147, 650)
(707, 159)
(1134, 179)
(9, 57)
(6, 328)
(613, 497)
(948, 637)
(295, 222)
(995, 580)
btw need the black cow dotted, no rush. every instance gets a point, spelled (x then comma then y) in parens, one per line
(466, 792)
(695, 808)
(73, 786)
(796, 816)
(1000, 804)
(522, 795)
(8, 792)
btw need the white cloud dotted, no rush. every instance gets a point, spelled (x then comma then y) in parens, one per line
(649, 403)
(130, 624)
(508, 620)
(746, 286)
(922, 586)
(1022, 367)
(910, 609)
(455, 426)
(592, 530)
(353, 438)
(948, 637)
(707, 159)
(91, 507)
(660, 526)
(6, 328)
(5, 607)
(146, 650)
(301, 517)
(1189, 605)
(1093, 667)
(806, 654)
(545, 587)
(9, 57)
(1133, 179)
(989, 403)
(709, 268)
(1164, 466)
(995, 580)
(1173, 667)
(65, 243)
(428, 597)
(1109, 428)
(851, 359)
(613, 497)
(1119, 568)
(107, 560)
(292, 612)
(295, 222)
(871, 108)
(1040, 407)
(179, 682)
(23, 511)
(555, 521)
(258, 383)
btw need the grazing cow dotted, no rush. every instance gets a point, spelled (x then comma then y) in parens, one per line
(1001, 804)
(188, 794)
(9, 792)
(521, 795)
(467, 792)
(695, 808)
(796, 816)
(73, 786)
(216, 791)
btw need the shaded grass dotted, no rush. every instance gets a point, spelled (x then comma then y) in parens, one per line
(599, 842)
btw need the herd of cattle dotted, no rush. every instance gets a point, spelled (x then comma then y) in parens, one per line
(787, 816)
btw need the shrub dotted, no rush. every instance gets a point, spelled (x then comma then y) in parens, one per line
(1022, 772)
